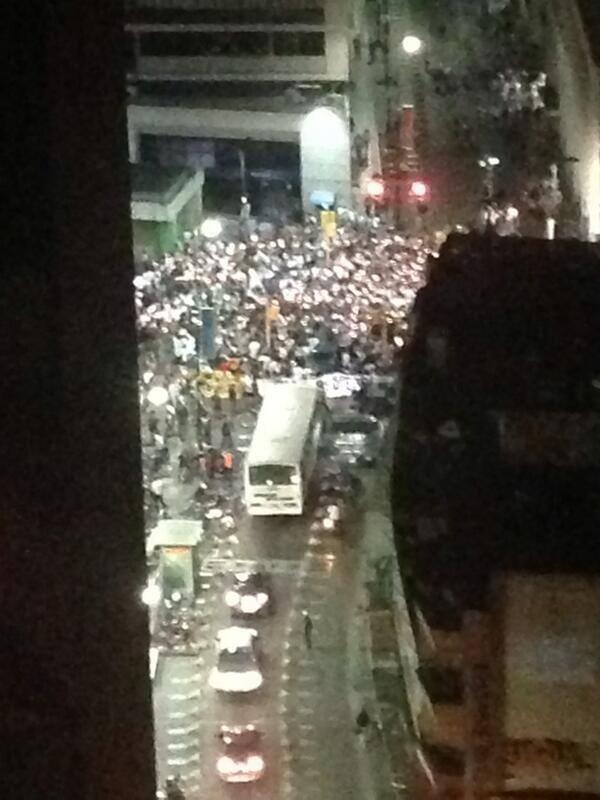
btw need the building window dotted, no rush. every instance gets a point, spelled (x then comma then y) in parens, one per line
(299, 44)
(193, 43)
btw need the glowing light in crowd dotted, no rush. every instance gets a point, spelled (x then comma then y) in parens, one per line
(158, 396)
(211, 228)
(151, 595)
(376, 188)
(411, 44)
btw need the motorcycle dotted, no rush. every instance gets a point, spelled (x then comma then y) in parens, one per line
(329, 518)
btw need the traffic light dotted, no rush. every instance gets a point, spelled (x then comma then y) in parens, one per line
(419, 191)
(376, 189)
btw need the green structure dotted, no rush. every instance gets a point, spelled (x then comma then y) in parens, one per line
(165, 202)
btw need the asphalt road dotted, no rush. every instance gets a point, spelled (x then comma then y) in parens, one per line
(303, 708)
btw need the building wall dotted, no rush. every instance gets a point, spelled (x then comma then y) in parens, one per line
(167, 120)
(577, 79)
(551, 647)
(322, 167)
(325, 156)
(331, 65)
(161, 235)
(76, 709)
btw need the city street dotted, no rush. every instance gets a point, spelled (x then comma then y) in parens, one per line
(329, 327)
(304, 708)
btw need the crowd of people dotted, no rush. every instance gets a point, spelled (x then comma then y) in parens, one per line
(289, 306)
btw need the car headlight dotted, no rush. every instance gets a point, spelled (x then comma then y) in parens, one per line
(226, 765)
(232, 598)
(329, 523)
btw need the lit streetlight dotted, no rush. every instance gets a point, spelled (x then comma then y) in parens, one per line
(151, 595)
(489, 164)
(489, 161)
(211, 228)
(411, 44)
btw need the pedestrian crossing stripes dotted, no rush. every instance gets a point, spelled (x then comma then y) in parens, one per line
(274, 566)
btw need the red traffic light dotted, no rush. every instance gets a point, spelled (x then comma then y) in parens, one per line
(419, 190)
(376, 188)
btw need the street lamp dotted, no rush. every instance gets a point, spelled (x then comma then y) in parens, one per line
(489, 164)
(211, 228)
(151, 595)
(419, 190)
(411, 44)
(158, 396)
(489, 161)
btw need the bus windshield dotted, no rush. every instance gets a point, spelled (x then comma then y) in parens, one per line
(272, 474)
(355, 425)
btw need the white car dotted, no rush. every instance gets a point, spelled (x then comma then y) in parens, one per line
(237, 668)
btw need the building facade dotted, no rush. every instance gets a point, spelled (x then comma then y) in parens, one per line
(243, 70)
(568, 29)
(497, 470)
(77, 710)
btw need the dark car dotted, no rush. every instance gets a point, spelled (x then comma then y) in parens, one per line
(241, 760)
(353, 438)
(250, 595)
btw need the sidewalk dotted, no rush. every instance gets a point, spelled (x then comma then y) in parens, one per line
(377, 676)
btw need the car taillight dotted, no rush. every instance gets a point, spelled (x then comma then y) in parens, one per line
(256, 763)
(226, 765)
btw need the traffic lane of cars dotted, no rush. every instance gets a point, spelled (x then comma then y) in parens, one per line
(259, 707)
(353, 438)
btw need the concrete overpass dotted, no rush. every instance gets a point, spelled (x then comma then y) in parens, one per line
(321, 133)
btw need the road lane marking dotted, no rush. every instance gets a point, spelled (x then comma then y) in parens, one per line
(184, 731)
(214, 565)
(182, 762)
(182, 714)
(180, 697)
(191, 679)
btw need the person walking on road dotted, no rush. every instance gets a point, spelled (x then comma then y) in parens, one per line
(363, 720)
(228, 463)
(226, 435)
(308, 629)
(232, 399)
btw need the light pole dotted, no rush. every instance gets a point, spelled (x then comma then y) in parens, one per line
(243, 172)
(489, 164)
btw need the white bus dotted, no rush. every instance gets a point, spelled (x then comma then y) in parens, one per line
(283, 452)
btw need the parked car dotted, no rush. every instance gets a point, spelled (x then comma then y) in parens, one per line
(353, 438)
